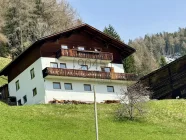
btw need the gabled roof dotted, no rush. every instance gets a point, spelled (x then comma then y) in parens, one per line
(125, 49)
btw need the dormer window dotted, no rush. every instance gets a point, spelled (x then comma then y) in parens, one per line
(81, 48)
(64, 47)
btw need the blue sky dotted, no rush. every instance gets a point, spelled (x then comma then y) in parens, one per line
(133, 18)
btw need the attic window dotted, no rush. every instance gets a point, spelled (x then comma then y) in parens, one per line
(97, 49)
(64, 47)
(81, 48)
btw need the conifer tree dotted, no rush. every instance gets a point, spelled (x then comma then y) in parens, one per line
(162, 61)
(128, 63)
(111, 32)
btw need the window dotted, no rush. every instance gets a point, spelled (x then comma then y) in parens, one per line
(68, 86)
(56, 85)
(19, 102)
(64, 47)
(25, 99)
(34, 92)
(107, 69)
(63, 65)
(110, 89)
(32, 74)
(53, 65)
(84, 67)
(97, 49)
(81, 48)
(87, 87)
(17, 85)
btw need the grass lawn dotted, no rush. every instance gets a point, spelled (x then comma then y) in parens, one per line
(3, 63)
(165, 120)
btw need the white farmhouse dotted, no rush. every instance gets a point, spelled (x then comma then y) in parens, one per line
(66, 65)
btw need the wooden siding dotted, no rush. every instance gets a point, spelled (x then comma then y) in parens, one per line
(80, 39)
(4, 92)
(84, 54)
(169, 81)
(28, 59)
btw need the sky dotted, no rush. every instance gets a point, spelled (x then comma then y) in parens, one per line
(133, 18)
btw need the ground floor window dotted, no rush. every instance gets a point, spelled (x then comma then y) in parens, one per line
(110, 89)
(68, 86)
(34, 92)
(25, 99)
(19, 102)
(56, 85)
(87, 87)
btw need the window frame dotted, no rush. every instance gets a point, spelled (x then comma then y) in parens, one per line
(110, 91)
(57, 83)
(25, 99)
(87, 85)
(53, 63)
(107, 68)
(17, 85)
(33, 91)
(32, 73)
(19, 102)
(97, 49)
(65, 86)
(63, 64)
(80, 48)
(84, 65)
(63, 45)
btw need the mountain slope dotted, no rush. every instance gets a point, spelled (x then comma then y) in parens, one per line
(3, 63)
(151, 48)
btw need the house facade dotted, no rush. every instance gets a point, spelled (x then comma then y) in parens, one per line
(66, 66)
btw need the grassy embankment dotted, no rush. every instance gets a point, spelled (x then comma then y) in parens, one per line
(165, 120)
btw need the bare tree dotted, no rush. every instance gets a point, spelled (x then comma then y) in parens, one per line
(132, 101)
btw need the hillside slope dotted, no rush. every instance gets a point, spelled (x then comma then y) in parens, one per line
(165, 120)
(3, 63)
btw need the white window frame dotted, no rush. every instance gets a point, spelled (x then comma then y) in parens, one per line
(110, 91)
(81, 48)
(64, 47)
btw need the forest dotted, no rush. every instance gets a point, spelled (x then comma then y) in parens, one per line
(22, 22)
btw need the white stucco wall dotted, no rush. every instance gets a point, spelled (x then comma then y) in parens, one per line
(78, 92)
(75, 64)
(46, 93)
(27, 84)
(118, 68)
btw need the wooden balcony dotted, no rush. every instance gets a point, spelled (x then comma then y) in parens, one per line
(84, 54)
(88, 74)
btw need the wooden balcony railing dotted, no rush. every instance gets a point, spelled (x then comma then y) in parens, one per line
(88, 74)
(84, 54)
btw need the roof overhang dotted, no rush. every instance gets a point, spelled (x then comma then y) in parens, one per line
(124, 49)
